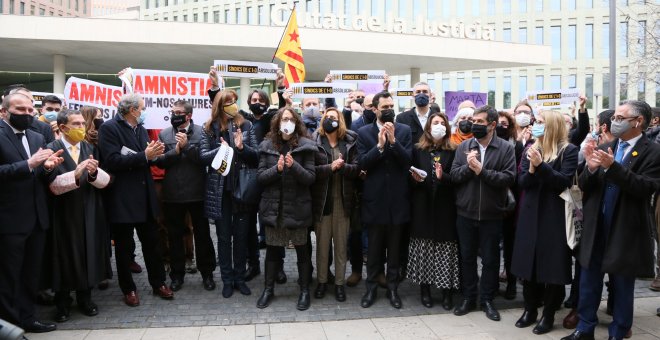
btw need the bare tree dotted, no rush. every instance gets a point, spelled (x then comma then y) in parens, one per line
(643, 37)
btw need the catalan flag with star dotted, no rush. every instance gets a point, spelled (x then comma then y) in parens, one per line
(290, 52)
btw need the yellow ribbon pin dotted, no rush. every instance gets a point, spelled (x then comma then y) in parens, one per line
(634, 153)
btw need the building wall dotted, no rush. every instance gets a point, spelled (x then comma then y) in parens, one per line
(62, 8)
(576, 29)
(109, 7)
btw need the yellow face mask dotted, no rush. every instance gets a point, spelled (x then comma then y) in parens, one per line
(231, 110)
(75, 134)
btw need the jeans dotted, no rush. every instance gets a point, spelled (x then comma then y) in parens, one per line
(232, 231)
(474, 238)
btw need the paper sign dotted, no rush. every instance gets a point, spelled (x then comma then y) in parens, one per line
(368, 76)
(322, 90)
(370, 88)
(81, 92)
(402, 93)
(161, 89)
(418, 171)
(222, 159)
(39, 96)
(553, 99)
(453, 99)
(245, 69)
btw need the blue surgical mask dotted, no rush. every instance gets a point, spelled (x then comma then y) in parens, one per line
(50, 116)
(142, 117)
(538, 130)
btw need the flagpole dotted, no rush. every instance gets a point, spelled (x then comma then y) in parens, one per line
(280, 42)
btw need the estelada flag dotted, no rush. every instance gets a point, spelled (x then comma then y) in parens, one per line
(290, 52)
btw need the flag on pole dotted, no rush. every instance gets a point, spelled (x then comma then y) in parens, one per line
(290, 52)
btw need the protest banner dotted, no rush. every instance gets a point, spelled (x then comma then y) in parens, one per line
(161, 89)
(368, 76)
(81, 92)
(245, 69)
(553, 99)
(321, 90)
(454, 98)
(39, 96)
(402, 93)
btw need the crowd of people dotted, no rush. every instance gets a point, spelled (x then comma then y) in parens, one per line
(431, 195)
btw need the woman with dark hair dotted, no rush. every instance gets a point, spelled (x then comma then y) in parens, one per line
(433, 258)
(334, 195)
(524, 116)
(93, 120)
(541, 256)
(227, 127)
(286, 174)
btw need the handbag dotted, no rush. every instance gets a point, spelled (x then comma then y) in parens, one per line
(247, 189)
(573, 213)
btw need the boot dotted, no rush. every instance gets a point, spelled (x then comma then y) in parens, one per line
(448, 299)
(427, 301)
(266, 297)
(304, 274)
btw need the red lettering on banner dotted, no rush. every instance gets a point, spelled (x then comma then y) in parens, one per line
(165, 83)
(99, 97)
(183, 87)
(73, 94)
(193, 84)
(116, 97)
(151, 84)
(87, 92)
(138, 87)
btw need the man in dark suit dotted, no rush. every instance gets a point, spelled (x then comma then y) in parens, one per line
(131, 199)
(619, 180)
(37, 126)
(385, 153)
(24, 163)
(416, 117)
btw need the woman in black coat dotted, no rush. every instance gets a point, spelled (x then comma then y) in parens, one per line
(541, 255)
(286, 174)
(433, 258)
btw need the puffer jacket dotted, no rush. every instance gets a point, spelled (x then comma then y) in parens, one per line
(209, 147)
(349, 173)
(286, 200)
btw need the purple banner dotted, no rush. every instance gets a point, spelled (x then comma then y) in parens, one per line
(453, 99)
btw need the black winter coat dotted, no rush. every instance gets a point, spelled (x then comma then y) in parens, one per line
(630, 245)
(410, 118)
(286, 201)
(433, 202)
(540, 251)
(349, 172)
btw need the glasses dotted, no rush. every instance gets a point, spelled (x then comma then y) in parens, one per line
(178, 113)
(619, 119)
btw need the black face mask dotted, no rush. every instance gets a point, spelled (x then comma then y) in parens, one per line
(258, 108)
(502, 132)
(97, 123)
(387, 116)
(422, 99)
(360, 101)
(330, 125)
(465, 126)
(369, 115)
(479, 131)
(177, 120)
(20, 122)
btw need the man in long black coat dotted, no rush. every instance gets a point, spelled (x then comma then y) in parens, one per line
(618, 183)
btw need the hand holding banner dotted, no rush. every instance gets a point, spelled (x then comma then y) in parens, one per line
(321, 90)
(553, 99)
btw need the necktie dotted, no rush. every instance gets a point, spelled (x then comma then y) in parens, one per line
(621, 151)
(25, 146)
(20, 135)
(74, 153)
(612, 191)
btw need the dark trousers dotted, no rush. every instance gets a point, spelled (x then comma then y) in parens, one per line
(355, 250)
(232, 231)
(550, 295)
(474, 238)
(63, 298)
(508, 237)
(21, 256)
(148, 235)
(384, 238)
(252, 240)
(175, 219)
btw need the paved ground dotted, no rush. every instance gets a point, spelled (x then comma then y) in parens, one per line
(194, 306)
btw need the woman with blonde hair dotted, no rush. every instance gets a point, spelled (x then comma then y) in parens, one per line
(541, 256)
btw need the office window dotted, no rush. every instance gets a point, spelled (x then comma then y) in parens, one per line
(261, 12)
(195, 17)
(623, 86)
(185, 18)
(430, 9)
(641, 87)
(146, 4)
(491, 7)
(641, 37)
(402, 9)
(572, 81)
(42, 12)
(539, 5)
(522, 6)
(538, 35)
(572, 42)
(417, 7)
(606, 91)
(226, 17)
(347, 10)
(11, 6)
(239, 16)
(572, 4)
(555, 38)
(506, 35)
(22, 8)
(491, 91)
(555, 82)
(623, 39)
(476, 83)
(460, 82)
(2, 6)
(589, 89)
(539, 83)
(460, 8)
(476, 6)
(32, 9)
(156, 4)
(506, 6)
(250, 15)
(374, 7)
(206, 16)
(555, 5)
(506, 95)
(387, 9)
(589, 41)
(216, 17)
(522, 35)
(360, 7)
(175, 18)
(522, 87)
(446, 10)
(605, 43)
(589, 3)
(445, 87)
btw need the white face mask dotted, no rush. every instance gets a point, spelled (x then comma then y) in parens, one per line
(523, 119)
(438, 131)
(287, 128)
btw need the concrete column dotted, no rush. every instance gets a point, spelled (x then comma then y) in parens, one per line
(59, 69)
(244, 93)
(414, 75)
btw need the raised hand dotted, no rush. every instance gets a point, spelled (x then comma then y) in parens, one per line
(80, 169)
(39, 157)
(238, 139)
(181, 141)
(280, 164)
(53, 160)
(92, 165)
(337, 163)
(438, 170)
(288, 160)
(154, 149)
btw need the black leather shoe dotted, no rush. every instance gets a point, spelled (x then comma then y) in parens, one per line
(465, 307)
(208, 283)
(252, 272)
(369, 298)
(447, 299)
(62, 314)
(490, 310)
(176, 285)
(265, 298)
(227, 290)
(281, 277)
(527, 319)
(395, 300)
(544, 325)
(304, 300)
(319, 293)
(510, 292)
(37, 326)
(88, 308)
(243, 288)
(425, 291)
(577, 335)
(340, 293)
